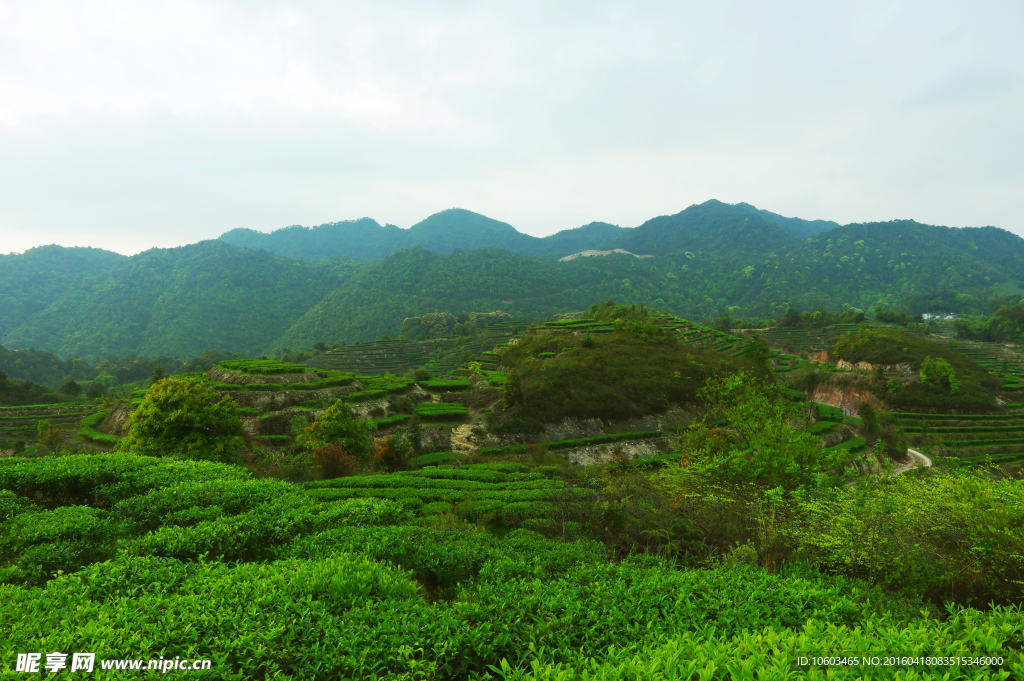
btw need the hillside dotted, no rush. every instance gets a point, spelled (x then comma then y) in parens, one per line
(182, 302)
(32, 280)
(711, 227)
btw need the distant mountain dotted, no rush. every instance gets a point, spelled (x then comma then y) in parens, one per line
(367, 241)
(711, 227)
(364, 240)
(182, 302)
(32, 280)
(585, 238)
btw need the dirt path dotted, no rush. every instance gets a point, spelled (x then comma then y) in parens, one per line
(917, 460)
(460, 439)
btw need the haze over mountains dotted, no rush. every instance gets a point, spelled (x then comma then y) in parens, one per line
(255, 293)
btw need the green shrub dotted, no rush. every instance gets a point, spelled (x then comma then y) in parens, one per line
(453, 384)
(184, 419)
(87, 429)
(263, 367)
(441, 411)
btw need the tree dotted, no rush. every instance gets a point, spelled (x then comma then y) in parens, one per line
(869, 420)
(937, 372)
(392, 453)
(183, 419)
(158, 374)
(513, 390)
(762, 440)
(722, 323)
(71, 388)
(757, 351)
(332, 461)
(790, 319)
(337, 426)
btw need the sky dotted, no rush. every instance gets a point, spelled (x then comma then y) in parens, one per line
(129, 126)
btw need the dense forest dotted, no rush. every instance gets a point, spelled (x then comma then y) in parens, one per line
(182, 302)
(710, 259)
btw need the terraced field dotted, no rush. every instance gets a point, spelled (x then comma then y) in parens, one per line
(21, 422)
(512, 493)
(438, 356)
(971, 439)
(1003, 360)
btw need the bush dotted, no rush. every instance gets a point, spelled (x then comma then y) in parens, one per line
(263, 367)
(441, 411)
(337, 425)
(181, 418)
(331, 461)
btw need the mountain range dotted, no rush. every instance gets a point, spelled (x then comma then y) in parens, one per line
(349, 281)
(367, 241)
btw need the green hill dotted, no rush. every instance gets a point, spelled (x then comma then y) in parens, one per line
(364, 240)
(32, 280)
(970, 389)
(367, 241)
(182, 301)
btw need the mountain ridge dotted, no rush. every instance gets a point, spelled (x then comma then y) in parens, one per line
(368, 241)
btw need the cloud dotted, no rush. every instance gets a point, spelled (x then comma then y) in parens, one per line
(135, 124)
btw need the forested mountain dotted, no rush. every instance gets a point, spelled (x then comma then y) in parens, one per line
(711, 227)
(32, 280)
(182, 301)
(740, 261)
(708, 259)
(365, 240)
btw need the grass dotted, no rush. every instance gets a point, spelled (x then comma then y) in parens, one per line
(851, 445)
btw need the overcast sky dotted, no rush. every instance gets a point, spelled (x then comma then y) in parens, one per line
(129, 125)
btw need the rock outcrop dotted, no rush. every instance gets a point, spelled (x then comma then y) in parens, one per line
(218, 375)
(902, 368)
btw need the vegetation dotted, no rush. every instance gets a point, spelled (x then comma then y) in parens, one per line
(638, 369)
(711, 258)
(181, 302)
(183, 419)
(939, 368)
(263, 367)
(441, 411)
(1007, 324)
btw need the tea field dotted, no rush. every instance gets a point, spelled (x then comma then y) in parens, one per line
(397, 576)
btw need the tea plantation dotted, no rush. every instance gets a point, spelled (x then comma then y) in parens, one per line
(138, 557)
